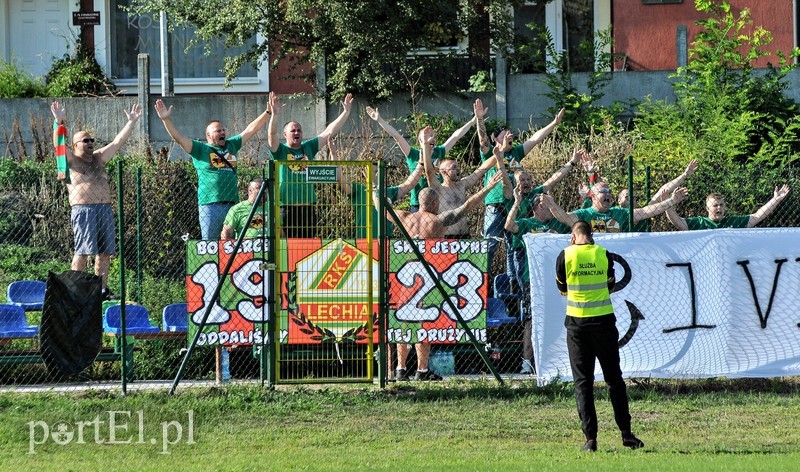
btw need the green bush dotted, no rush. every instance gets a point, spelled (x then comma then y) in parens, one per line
(78, 75)
(17, 83)
(726, 112)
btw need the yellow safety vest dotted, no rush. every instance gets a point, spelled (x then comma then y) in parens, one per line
(587, 281)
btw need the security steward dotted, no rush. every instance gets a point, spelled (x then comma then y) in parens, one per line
(585, 274)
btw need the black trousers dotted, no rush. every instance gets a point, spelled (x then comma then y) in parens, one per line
(584, 346)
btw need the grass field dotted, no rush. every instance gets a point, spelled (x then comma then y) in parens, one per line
(689, 425)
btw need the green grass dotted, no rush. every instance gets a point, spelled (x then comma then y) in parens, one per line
(714, 425)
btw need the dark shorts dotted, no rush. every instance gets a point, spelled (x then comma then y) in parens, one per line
(93, 227)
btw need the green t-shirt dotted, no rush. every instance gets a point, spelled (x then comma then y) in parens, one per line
(704, 222)
(615, 220)
(216, 178)
(237, 216)
(532, 225)
(294, 190)
(361, 200)
(412, 160)
(513, 158)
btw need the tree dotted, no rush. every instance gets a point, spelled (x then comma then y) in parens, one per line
(365, 45)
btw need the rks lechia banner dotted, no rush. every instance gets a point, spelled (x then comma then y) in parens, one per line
(329, 291)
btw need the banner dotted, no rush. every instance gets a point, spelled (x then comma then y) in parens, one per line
(240, 315)
(417, 310)
(329, 291)
(688, 304)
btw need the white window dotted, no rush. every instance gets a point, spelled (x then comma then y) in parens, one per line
(193, 70)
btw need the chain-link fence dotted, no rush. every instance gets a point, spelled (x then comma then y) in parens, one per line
(158, 208)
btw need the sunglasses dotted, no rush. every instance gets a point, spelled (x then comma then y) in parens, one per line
(86, 140)
(602, 190)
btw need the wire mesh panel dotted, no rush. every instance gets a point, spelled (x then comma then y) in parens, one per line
(328, 272)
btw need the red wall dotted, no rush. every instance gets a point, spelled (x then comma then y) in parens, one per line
(647, 33)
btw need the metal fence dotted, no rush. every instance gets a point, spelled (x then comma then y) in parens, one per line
(160, 253)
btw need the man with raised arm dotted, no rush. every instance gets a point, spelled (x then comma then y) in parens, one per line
(412, 154)
(607, 219)
(297, 197)
(452, 191)
(90, 194)
(215, 161)
(715, 204)
(494, 217)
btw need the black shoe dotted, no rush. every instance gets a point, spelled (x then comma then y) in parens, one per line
(590, 446)
(400, 375)
(631, 441)
(427, 376)
(109, 295)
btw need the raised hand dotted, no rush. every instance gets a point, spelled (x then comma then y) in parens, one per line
(162, 111)
(275, 105)
(780, 193)
(58, 111)
(690, 168)
(507, 140)
(427, 135)
(135, 113)
(479, 109)
(679, 194)
(347, 103)
(373, 113)
(559, 116)
(517, 193)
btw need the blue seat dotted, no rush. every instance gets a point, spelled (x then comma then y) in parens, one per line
(137, 321)
(29, 294)
(14, 324)
(502, 288)
(496, 314)
(175, 318)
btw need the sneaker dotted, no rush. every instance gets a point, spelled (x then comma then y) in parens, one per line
(590, 446)
(109, 295)
(401, 375)
(631, 441)
(427, 376)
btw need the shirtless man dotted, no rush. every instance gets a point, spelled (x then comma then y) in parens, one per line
(413, 155)
(90, 194)
(428, 222)
(452, 191)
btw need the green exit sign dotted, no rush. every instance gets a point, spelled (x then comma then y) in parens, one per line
(322, 174)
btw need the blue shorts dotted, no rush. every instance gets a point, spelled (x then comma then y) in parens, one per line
(93, 227)
(212, 217)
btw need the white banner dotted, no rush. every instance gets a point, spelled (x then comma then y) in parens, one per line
(688, 304)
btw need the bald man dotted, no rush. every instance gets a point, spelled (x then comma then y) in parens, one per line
(90, 194)
(215, 161)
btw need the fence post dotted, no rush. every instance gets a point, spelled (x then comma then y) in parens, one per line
(143, 84)
(121, 256)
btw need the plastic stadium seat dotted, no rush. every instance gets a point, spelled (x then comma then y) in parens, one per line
(175, 318)
(496, 314)
(29, 294)
(137, 321)
(502, 288)
(14, 324)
